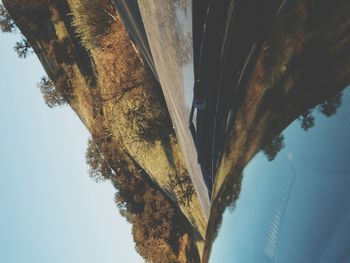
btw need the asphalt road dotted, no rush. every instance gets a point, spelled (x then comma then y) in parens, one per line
(168, 26)
(227, 39)
(231, 39)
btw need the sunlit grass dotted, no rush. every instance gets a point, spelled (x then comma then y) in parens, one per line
(91, 20)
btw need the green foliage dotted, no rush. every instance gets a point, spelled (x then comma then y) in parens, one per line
(183, 188)
(150, 128)
(91, 20)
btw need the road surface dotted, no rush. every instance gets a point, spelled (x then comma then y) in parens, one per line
(230, 38)
(168, 26)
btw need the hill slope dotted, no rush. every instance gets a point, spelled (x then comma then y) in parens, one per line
(114, 94)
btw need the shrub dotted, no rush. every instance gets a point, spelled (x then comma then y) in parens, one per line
(183, 188)
(150, 121)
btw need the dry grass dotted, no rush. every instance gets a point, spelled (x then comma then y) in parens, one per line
(119, 69)
(91, 20)
(123, 82)
(286, 41)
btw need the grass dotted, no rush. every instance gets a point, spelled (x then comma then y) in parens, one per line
(119, 69)
(91, 20)
(285, 41)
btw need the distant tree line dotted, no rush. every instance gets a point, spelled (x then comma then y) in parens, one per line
(328, 108)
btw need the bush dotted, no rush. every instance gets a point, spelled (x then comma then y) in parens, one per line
(150, 121)
(91, 20)
(182, 186)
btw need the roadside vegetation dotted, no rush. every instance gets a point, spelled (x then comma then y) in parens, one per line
(122, 106)
(91, 20)
(54, 94)
(300, 73)
(286, 41)
(277, 72)
(157, 226)
(150, 128)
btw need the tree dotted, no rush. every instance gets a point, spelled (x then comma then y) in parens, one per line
(150, 127)
(7, 24)
(330, 106)
(307, 120)
(52, 96)
(156, 230)
(99, 169)
(272, 148)
(23, 48)
(182, 187)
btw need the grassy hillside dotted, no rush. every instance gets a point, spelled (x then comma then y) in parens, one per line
(88, 54)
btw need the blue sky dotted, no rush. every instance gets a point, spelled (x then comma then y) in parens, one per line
(51, 211)
(296, 208)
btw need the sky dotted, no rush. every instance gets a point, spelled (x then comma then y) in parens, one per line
(50, 210)
(295, 208)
